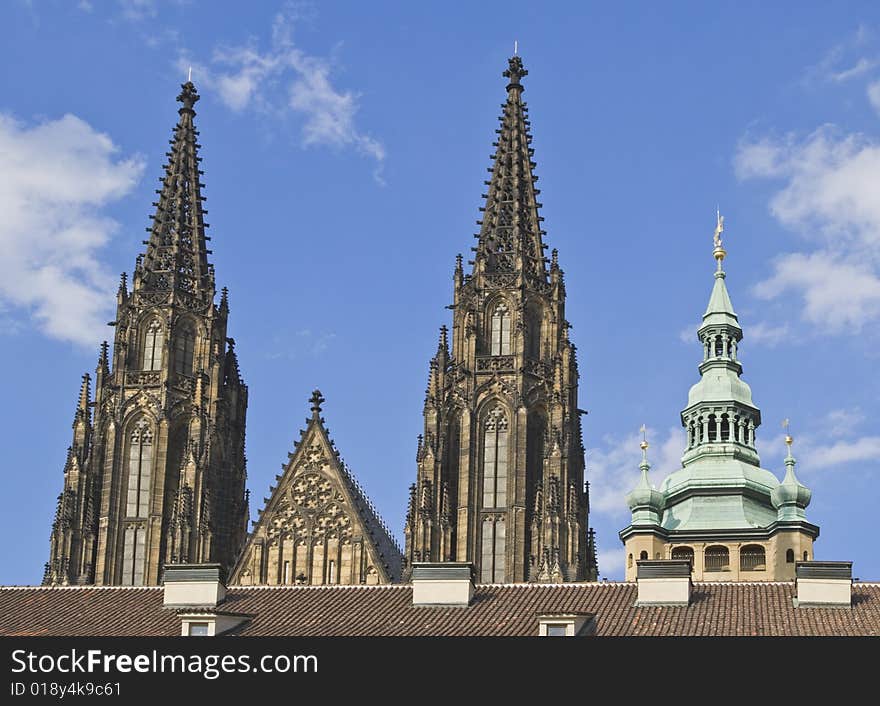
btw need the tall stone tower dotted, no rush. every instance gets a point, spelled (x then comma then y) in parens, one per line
(731, 518)
(156, 474)
(500, 478)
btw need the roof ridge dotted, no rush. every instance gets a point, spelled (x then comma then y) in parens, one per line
(81, 587)
(321, 586)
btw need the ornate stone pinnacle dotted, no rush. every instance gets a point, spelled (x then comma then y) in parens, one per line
(188, 96)
(317, 400)
(515, 71)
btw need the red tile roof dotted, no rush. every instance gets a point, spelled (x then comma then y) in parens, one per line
(715, 609)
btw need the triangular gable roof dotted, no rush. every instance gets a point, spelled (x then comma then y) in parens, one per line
(318, 513)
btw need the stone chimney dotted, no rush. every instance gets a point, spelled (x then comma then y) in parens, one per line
(445, 584)
(666, 582)
(823, 584)
(193, 585)
(195, 592)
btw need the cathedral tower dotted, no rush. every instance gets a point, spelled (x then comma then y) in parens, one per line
(731, 518)
(156, 472)
(500, 479)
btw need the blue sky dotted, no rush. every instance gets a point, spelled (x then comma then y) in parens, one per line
(345, 145)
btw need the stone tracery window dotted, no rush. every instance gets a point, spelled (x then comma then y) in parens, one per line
(137, 501)
(184, 347)
(140, 461)
(500, 330)
(153, 342)
(495, 442)
(493, 549)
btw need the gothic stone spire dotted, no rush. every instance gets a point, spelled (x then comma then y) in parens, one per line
(176, 258)
(510, 234)
(70, 546)
(500, 479)
(164, 461)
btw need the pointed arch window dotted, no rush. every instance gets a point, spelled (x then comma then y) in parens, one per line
(153, 342)
(493, 548)
(495, 443)
(184, 347)
(500, 330)
(140, 461)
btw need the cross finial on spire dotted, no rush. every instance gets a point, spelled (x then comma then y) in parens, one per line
(189, 76)
(317, 400)
(644, 443)
(188, 96)
(515, 71)
(515, 47)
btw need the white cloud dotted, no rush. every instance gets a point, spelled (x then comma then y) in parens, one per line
(55, 179)
(767, 334)
(284, 80)
(844, 61)
(873, 91)
(866, 448)
(304, 343)
(828, 196)
(137, 10)
(823, 447)
(689, 334)
(842, 422)
(830, 189)
(859, 68)
(613, 467)
(315, 343)
(611, 563)
(838, 296)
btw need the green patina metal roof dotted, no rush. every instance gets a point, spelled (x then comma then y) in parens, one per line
(720, 309)
(720, 485)
(720, 384)
(714, 512)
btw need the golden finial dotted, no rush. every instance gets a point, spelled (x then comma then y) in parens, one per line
(644, 443)
(719, 251)
(786, 424)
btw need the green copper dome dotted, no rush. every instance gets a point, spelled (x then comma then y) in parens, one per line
(791, 497)
(720, 489)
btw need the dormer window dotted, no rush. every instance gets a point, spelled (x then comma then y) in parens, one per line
(566, 624)
(198, 630)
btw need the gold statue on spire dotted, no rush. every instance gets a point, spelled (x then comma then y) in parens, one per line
(719, 228)
(719, 252)
(786, 424)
